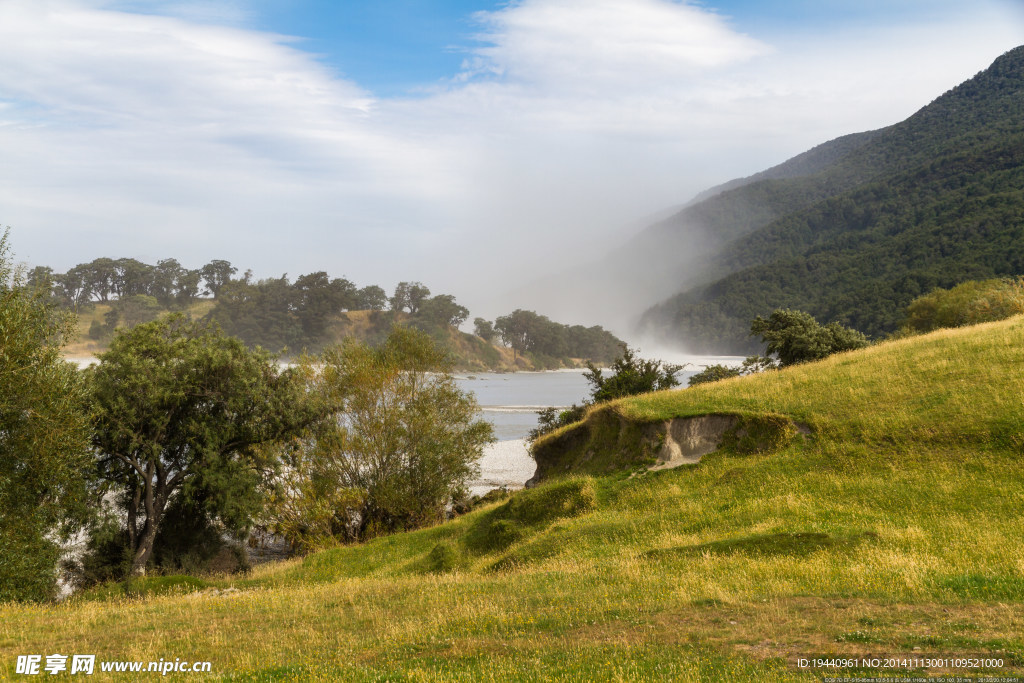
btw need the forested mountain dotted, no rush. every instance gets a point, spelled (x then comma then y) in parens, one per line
(854, 229)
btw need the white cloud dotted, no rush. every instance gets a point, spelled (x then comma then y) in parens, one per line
(144, 129)
(172, 133)
(590, 45)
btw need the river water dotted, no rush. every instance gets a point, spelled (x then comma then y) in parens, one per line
(510, 401)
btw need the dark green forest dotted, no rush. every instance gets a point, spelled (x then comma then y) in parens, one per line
(856, 229)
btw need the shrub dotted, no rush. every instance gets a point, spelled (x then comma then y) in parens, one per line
(399, 444)
(530, 510)
(445, 557)
(630, 375)
(713, 373)
(968, 303)
(796, 337)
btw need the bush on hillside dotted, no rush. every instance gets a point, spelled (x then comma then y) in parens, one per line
(630, 375)
(751, 365)
(796, 337)
(713, 373)
(969, 303)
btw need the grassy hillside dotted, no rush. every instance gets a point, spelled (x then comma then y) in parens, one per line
(894, 526)
(82, 346)
(867, 227)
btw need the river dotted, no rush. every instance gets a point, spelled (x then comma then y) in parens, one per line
(510, 401)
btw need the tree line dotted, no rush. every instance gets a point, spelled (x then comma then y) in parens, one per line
(278, 313)
(103, 280)
(529, 332)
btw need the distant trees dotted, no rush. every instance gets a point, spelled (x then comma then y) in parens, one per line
(528, 332)
(371, 298)
(276, 314)
(73, 288)
(131, 277)
(484, 329)
(306, 314)
(104, 280)
(180, 411)
(216, 274)
(172, 284)
(316, 297)
(408, 297)
(442, 311)
(273, 312)
(44, 438)
(796, 337)
(516, 330)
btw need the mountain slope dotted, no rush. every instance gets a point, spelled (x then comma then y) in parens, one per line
(879, 219)
(679, 250)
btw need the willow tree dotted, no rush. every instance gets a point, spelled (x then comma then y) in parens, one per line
(183, 410)
(44, 439)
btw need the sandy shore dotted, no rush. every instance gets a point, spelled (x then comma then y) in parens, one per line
(505, 463)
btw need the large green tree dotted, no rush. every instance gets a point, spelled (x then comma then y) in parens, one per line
(441, 311)
(216, 274)
(409, 296)
(44, 439)
(182, 410)
(404, 439)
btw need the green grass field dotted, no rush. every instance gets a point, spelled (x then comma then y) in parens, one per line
(895, 527)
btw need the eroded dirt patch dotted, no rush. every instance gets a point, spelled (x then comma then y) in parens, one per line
(688, 439)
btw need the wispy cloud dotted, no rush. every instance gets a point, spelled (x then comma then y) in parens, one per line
(589, 46)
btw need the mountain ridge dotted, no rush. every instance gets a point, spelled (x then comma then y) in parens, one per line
(924, 203)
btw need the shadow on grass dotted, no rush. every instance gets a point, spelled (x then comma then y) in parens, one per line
(791, 544)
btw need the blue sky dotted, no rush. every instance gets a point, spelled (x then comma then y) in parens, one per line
(389, 46)
(396, 47)
(400, 47)
(434, 141)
